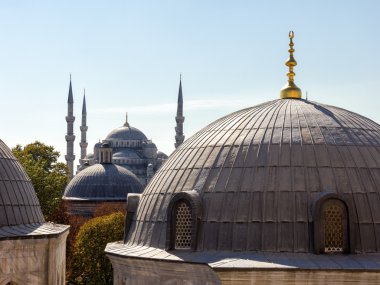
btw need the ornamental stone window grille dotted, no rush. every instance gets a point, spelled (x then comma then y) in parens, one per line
(334, 223)
(183, 225)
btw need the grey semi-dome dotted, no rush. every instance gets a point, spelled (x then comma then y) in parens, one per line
(125, 154)
(102, 182)
(18, 201)
(126, 133)
(259, 174)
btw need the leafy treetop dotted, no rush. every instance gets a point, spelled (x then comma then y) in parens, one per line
(48, 176)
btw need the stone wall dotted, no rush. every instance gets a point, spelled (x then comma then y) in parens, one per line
(37, 261)
(87, 208)
(129, 271)
(297, 277)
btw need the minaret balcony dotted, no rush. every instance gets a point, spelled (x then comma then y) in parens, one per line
(179, 120)
(70, 157)
(70, 138)
(70, 119)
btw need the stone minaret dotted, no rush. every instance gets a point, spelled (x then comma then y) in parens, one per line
(70, 157)
(179, 137)
(83, 129)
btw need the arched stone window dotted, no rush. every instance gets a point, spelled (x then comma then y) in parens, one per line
(331, 226)
(183, 225)
(11, 283)
(184, 212)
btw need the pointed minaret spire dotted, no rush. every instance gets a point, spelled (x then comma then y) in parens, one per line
(83, 129)
(70, 157)
(179, 137)
(70, 97)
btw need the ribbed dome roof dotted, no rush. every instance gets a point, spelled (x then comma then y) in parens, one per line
(257, 172)
(126, 133)
(18, 201)
(103, 182)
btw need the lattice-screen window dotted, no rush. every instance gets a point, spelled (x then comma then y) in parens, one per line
(183, 225)
(334, 229)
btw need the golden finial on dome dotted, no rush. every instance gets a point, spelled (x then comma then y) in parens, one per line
(291, 90)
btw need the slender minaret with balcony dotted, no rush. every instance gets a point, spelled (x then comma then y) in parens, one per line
(179, 137)
(83, 130)
(70, 157)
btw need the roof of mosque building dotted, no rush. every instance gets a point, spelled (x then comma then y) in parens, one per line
(18, 201)
(125, 154)
(259, 170)
(253, 259)
(102, 182)
(126, 133)
(258, 179)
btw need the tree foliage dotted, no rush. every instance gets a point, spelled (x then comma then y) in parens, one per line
(48, 176)
(89, 264)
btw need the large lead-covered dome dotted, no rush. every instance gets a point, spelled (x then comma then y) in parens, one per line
(18, 201)
(260, 173)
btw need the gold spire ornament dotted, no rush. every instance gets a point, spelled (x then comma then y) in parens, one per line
(291, 90)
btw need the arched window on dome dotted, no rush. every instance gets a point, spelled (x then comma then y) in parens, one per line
(11, 283)
(332, 227)
(183, 218)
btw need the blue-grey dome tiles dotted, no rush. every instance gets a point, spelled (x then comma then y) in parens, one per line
(257, 172)
(103, 182)
(126, 133)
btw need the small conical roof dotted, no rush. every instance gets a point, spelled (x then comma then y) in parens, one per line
(70, 97)
(84, 109)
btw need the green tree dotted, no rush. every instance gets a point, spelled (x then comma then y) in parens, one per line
(89, 264)
(48, 176)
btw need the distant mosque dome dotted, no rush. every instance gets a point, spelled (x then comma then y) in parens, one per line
(131, 148)
(102, 182)
(126, 133)
(162, 156)
(126, 154)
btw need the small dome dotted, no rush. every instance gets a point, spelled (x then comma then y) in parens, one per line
(161, 155)
(259, 171)
(125, 154)
(149, 145)
(18, 201)
(89, 156)
(126, 133)
(102, 182)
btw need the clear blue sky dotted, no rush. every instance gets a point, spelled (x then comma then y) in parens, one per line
(128, 56)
